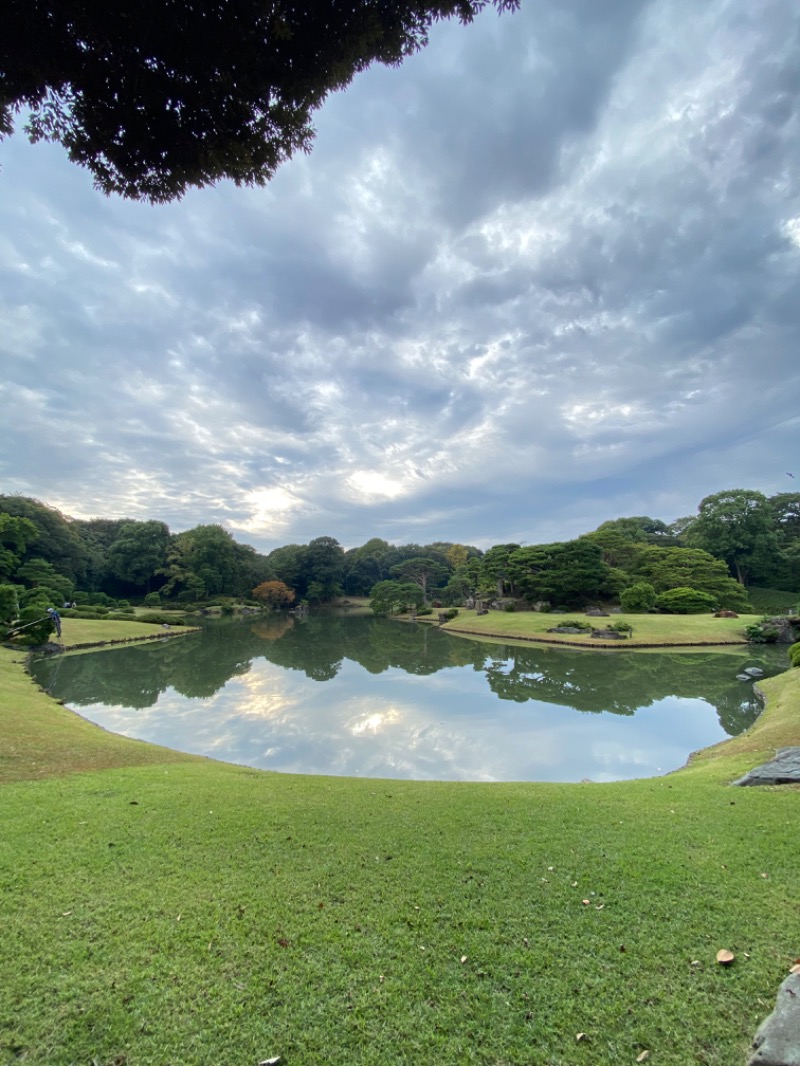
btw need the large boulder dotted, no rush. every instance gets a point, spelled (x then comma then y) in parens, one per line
(784, 769)
(777, 1042)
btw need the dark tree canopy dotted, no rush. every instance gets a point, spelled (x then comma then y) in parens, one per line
(154, 96)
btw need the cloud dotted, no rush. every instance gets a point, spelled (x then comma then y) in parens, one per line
(542, 275)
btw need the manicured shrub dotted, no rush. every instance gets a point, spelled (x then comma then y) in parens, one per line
(160, 619)
(49, 597)
(638, 598)
(38, 632)
(794, 654)
(152, 599)
(685, 601)
(99, 599)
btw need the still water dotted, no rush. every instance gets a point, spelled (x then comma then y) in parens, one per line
(363, 696)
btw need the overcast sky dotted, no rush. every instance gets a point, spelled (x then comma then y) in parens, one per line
(545, 274)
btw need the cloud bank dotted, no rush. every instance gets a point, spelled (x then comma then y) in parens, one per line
(544, 274)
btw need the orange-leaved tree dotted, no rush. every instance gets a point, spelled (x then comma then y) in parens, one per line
(274, 594)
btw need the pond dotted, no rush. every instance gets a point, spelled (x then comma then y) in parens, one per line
(362, 696)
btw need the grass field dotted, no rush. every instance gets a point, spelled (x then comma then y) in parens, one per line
(648, 629)
(163, 909)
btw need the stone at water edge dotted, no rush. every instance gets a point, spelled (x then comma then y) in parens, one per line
(777, 1042)
(784, 769)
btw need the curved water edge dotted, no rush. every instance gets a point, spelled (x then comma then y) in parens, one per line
(361, 696)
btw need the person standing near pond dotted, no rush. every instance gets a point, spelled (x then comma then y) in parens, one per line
(56, 617)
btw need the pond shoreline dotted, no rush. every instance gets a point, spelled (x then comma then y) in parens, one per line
(597, 645)
(53, 648)
(628, 644)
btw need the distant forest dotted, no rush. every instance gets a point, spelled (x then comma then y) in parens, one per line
(738, 540)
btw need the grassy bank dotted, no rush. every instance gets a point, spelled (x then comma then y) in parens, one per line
(183, 911)
(649, 630)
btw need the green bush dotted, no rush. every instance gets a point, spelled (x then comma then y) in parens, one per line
(572, 623)
(425, 610)
(152, 599)
(41, 630)
(8, 602)
(99, 599)
(794, 654)
(450, 613)
(638, 598)
(49, 597)
(160, 619)
(621, 627)
(773, 601)
(763, 632)
(685, 601)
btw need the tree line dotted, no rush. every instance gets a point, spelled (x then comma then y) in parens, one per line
(738, 539)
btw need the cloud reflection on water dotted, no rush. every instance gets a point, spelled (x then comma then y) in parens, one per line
(385, 700)
(268, 720)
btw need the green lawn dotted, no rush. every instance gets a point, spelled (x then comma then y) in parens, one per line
(648, 629)
(177, 910)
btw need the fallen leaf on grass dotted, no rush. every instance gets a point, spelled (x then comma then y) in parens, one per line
(270, 1062)
(795, 968)
(581, 1037)
(464, 958)
(725, 957)
(645, 1055)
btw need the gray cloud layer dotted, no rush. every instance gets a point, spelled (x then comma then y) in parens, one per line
(543, 275)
